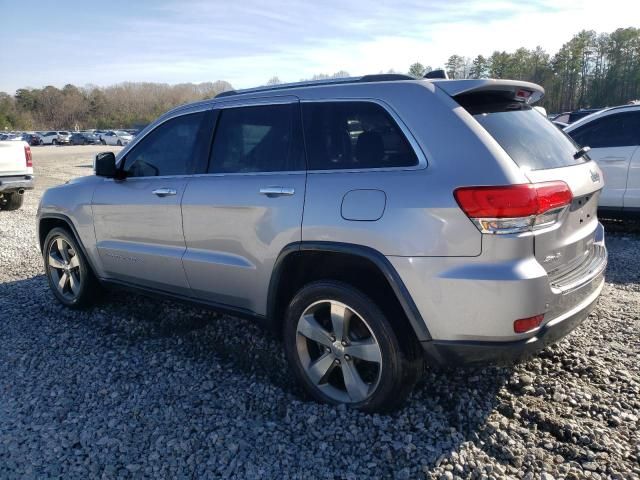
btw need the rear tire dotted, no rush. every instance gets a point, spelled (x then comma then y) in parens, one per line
(70, 277)
(364, 365)
(11, 201)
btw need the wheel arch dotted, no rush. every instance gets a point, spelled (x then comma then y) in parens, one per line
(287, 278)
(48, 222)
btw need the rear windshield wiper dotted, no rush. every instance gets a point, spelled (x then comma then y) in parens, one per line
(581, 153)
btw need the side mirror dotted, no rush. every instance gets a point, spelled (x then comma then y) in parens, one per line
(105, 165)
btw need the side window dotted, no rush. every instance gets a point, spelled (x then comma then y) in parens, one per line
(170, 149)
(264, 138)
(617, 130)
(344, 135)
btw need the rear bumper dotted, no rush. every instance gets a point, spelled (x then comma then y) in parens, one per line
(10, 184)
(454, 352)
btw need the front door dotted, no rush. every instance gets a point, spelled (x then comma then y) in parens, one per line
(240, 215)
(138, 220)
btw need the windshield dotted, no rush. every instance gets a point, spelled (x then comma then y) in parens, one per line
(532, 141)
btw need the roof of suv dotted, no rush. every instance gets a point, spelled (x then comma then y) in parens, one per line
(451, 87)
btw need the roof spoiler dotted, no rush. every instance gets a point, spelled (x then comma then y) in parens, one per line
(522, 91)
(440, 73)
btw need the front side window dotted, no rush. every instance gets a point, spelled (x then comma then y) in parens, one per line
(170, 149)
(263, 138)
(617, 130)
(353, 135)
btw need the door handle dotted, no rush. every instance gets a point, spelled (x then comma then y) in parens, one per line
(613, 159)
(277, 191)
(164, 192)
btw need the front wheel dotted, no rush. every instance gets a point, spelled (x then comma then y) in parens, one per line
(119, 143)
(342, 349)
(103, 142)
(70, 277)
(54, 142)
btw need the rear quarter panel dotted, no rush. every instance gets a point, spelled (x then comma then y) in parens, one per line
(421, 217)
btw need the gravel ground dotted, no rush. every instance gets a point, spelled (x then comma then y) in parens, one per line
(138, 387)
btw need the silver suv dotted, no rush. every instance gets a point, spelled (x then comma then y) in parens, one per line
(369, 221)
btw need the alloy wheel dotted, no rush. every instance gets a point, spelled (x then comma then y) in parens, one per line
(338, 351)
(64, 268)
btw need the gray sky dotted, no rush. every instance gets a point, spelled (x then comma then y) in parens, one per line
(246, 42)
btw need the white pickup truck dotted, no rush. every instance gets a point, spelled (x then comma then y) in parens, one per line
(16, 173)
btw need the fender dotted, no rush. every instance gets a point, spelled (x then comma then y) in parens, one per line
(69, 223)
(378, 259)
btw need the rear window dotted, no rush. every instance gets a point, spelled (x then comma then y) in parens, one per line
(532, 141)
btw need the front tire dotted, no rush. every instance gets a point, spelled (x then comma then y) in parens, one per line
(54, 142)
(119, 143)
(68, 272)
(11, 201)
(342, 349)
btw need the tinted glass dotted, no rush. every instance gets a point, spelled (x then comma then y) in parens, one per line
(263, 138)
(617, 130)
(532, 141)
(170, 149)
(344, 135)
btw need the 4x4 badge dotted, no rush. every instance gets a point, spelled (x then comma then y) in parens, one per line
(595, 176)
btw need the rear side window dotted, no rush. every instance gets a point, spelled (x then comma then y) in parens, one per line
(617, 130)
(170, 149)
(532, 141)
(264, 138)
(353, 135)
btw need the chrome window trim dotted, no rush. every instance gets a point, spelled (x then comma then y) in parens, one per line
(280, 100)
(422, 159)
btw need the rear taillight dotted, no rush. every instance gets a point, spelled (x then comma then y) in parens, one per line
(514, 208)
(526, 324)
(27, 156)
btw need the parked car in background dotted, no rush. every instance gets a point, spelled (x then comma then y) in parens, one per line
(613, 134)
(16, 173)
(64, 137)
(32, 138)
(55, 137)
(570, 117)
(116, 137)
(11, 136)
(484, 248)
(83, 138)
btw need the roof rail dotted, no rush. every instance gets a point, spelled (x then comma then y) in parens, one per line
(381, 77)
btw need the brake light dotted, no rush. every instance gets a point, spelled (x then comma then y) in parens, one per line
(27, 156)
(514, 208)
(526, 324)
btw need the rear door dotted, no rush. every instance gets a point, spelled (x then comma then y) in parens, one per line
(241, 214)
(613, 139)
(546, 154)
(138, 220)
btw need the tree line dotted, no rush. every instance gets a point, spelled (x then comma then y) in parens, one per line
(590, 70)
(126, 105)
